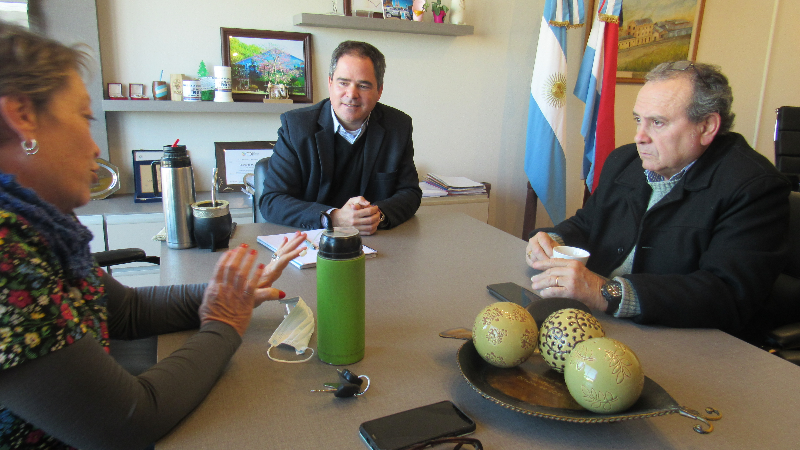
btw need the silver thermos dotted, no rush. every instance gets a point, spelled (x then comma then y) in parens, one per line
(177, 185)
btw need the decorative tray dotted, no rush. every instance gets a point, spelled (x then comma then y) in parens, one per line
(533, 388)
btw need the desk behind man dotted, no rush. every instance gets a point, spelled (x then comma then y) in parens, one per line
(694, 240)
(348, 155)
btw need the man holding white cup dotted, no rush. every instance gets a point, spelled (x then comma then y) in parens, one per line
(697, 239)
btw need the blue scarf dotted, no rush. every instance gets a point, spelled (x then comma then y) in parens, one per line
(66, 236)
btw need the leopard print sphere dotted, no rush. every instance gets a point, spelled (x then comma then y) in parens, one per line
(562, 331)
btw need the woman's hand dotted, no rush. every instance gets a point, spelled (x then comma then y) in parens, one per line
(289, 250)
(233, 292)
(540, 248)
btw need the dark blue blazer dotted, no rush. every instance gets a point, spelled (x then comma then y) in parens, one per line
(298, 185)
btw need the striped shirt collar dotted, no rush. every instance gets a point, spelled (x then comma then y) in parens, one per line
(653, 177)
(350, 136)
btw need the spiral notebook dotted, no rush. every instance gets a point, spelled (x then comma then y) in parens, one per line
(274, 241)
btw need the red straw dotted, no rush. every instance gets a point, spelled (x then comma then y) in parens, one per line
(176, 143)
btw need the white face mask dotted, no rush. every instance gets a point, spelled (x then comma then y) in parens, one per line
(295, 330)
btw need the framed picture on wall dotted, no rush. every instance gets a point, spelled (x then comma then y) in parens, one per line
(237, 159)
(654, 31)
(260, 58)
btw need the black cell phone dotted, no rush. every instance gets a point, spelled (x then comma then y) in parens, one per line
(539, 308)
(408, 428)
(512, 292)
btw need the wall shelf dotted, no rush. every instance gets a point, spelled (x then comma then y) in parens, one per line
(394, 25)
(198, 107)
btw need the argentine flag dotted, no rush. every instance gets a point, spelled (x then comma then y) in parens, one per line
(596, 87)
(545, 163)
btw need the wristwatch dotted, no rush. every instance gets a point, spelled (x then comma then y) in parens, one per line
(612, 292)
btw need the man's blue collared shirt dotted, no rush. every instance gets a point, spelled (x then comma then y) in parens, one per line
(350, 136)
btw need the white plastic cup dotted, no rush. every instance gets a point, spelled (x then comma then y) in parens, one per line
(567, 252)
(191, 90)
(222, 84)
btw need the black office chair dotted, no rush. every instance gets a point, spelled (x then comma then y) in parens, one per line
(259, 174)
(787, 143)
(781, 317)
(783, 305)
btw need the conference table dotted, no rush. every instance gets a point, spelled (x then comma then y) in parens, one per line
(431, 275)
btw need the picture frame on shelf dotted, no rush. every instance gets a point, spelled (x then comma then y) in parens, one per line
(399, 9)
(650, 36)
(260, 57)
(364, 8)
(237, 159)
(143, 161)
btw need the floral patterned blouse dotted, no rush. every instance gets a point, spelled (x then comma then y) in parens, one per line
(41, 310)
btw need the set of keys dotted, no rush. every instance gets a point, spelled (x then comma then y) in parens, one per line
(349, 386)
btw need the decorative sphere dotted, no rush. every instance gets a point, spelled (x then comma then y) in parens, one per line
(562, 331)
(505, 334)
(604, 375)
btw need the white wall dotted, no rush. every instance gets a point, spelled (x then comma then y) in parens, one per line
(468, 95)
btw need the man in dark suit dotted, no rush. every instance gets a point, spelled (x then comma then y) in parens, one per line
(686, 227)
(347, 155)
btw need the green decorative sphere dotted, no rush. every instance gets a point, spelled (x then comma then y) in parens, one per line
(562, 331)
(604, 375)
(505, 334)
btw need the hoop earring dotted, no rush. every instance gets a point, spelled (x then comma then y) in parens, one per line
(30, 149)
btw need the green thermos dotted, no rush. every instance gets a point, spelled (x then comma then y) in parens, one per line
(340, 296)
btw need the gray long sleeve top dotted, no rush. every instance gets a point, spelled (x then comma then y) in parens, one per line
(83, 397)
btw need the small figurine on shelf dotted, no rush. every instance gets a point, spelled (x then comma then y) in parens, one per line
(335, 8)
(439, 11)
(278, 91)
(206, 83)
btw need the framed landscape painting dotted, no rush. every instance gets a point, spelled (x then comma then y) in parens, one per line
(656, 31)
(260, 59)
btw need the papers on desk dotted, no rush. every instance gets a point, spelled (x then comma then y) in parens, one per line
(274, 241)
(456, 185)
(429, 190)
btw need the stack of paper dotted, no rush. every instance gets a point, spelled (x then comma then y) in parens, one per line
(456, 185)
(274, 241)
(430, 190)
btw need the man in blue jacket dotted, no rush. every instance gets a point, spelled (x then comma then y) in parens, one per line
(347, 155)
(686, 227)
